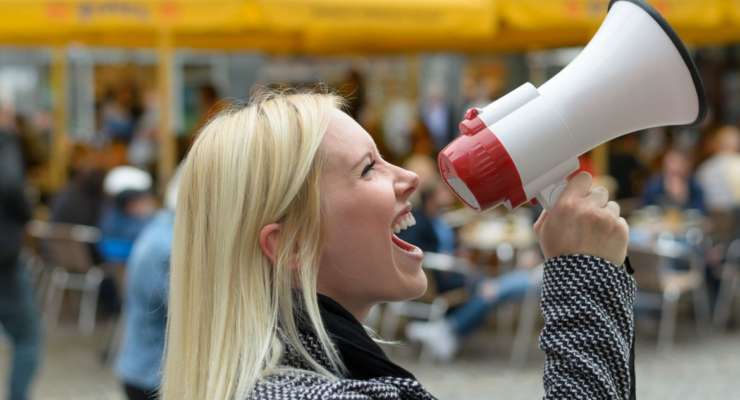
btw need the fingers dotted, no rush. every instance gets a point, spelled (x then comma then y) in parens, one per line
(599, 196)
(613, 208)
(578, 186)
(625, 227)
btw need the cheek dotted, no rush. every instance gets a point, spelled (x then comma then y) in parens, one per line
(358, 227)
(356, 213)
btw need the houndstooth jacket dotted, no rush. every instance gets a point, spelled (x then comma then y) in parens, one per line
(587, 339)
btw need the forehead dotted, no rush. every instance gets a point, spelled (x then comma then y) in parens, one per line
(345, 142)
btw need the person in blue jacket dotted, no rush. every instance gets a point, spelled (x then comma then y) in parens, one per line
(145, 311)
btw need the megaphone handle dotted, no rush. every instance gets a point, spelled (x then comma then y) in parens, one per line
(550, 195)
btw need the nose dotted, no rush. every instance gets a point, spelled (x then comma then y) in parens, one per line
(405, 184)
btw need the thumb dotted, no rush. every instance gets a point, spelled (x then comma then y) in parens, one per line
(540, 222)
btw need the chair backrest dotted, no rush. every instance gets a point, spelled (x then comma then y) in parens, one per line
(65, 245)
(648, 267)
(445, 263)
(437, 266)
(733, 252)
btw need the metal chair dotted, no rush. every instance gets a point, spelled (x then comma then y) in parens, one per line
(66, 250)
(661, 286)
(529, 315)
(433, 305)
(729, 285)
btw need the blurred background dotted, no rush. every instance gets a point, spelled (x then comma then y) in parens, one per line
(99, 100)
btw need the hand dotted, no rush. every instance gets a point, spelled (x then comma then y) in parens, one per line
(583, 221)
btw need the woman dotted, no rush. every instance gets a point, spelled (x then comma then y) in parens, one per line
(283, 242)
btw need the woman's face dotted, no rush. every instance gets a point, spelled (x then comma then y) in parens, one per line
(363, 198)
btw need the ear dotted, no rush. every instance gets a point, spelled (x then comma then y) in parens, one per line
(269, 235)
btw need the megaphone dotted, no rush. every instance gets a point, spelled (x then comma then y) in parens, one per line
(634, 74)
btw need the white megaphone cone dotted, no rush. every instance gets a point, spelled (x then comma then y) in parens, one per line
(634, 74)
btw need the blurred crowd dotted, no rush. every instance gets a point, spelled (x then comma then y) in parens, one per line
(113, 187)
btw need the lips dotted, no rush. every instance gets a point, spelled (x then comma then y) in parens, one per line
(402, 244)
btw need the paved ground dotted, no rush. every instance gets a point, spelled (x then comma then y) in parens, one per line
(696, 369)
(704, 369)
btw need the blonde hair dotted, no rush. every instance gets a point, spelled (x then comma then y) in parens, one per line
(231, 312)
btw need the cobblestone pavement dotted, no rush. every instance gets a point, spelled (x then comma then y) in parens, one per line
(698, 368)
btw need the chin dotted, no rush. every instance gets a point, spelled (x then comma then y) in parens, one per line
(417, 288)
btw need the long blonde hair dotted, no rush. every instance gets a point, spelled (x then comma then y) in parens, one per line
(231, 312)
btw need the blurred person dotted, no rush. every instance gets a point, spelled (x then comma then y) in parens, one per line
(80, 202)
(142, 152)
(431, 233)
(675, 187)
(130, 207)
(140, 359)
(436, 114)
(33, 149)
(421, 141)
(399, 120)
(283, 242)
(119, 113)
(129, 211)
(208, 104)
(19, 318)
(719, 175)
(625, 165)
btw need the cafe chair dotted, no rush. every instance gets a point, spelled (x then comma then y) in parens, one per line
(729, 285)
(433, 305)
(66, 251)
(661, 286)
(529, 318)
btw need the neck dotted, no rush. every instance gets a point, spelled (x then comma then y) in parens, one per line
(359, 310)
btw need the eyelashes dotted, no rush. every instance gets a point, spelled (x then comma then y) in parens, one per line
(367, 168)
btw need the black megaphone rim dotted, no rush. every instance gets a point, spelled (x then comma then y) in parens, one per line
(698, 85)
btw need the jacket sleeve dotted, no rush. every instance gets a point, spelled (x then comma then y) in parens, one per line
(589, 328)
(308, 387)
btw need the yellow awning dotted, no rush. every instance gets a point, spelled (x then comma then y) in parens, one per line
(342, 26)
(696, 21)
(384, 18)
(537, 14)
(304, 26)
(380, 25)
(64, 17)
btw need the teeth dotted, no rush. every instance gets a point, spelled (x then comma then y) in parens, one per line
(405, 222)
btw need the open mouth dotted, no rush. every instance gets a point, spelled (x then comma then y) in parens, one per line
(402, 244)
(403, 222)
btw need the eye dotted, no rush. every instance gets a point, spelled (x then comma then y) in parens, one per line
(368, 168)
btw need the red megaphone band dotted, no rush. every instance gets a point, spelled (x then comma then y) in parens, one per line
(485, 166)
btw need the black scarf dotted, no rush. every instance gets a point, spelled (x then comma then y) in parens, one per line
(363, 357)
